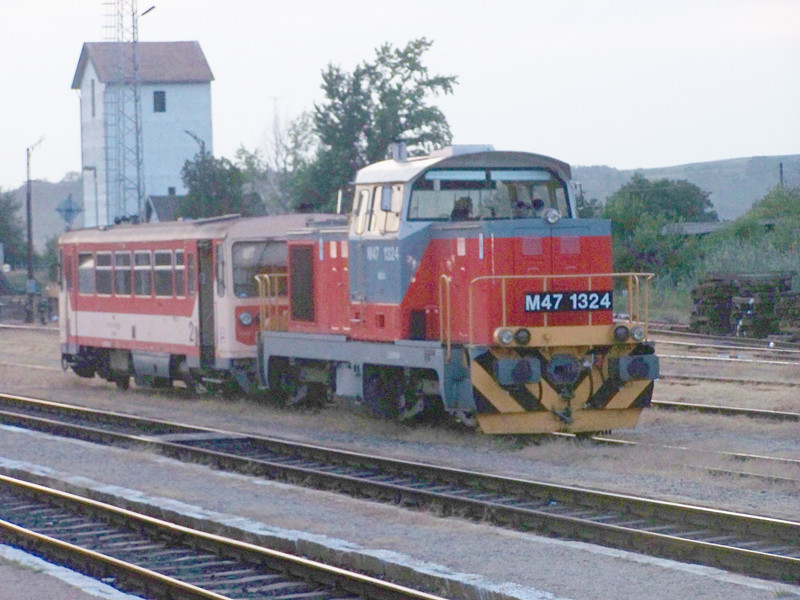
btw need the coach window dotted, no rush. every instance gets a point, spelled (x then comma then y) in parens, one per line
(142, 274)
(103, 273)
(180, 270)
(163, 273)
(191, 275)
(66, 271)
(86, 273)
(122, 273)
(257, 258)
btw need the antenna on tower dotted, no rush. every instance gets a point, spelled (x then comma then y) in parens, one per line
(123, 113)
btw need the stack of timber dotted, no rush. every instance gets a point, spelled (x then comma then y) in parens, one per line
(788, 308)
(741, 304)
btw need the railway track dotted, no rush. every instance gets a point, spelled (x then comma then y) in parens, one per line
(728, 411)
(143, 555)
(759, 546)
(725, 340)
(733, 456)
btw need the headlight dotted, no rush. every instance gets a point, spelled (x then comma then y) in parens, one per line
(245, 318)
(637, 333)
(551, 216)
(621, 333)
(506, 336)
(522, 337)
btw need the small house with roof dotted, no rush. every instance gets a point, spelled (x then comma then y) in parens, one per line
(175, 99)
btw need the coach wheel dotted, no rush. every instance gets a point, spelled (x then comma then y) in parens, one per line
(382, 390)
(123, 382)
(83, 371)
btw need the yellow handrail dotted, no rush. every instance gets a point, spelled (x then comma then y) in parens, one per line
(268, 293)
(637, 299)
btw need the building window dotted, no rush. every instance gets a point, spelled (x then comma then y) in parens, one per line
(159, 101)
(93, 96)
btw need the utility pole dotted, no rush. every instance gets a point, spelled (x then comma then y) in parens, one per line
(31, 285)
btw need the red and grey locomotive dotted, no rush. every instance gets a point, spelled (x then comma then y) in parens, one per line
(465, 285)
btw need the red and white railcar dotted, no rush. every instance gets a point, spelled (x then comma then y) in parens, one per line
(169, 301)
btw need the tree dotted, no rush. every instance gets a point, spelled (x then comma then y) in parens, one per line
(638, 212)
(286, 169)
(587, 208)
(12, 229)
(364, 111)
(215, 188)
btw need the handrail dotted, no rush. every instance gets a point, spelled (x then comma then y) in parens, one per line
(444, 281)
(637, 294)
(268, 292)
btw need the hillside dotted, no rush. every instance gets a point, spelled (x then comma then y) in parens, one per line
(733, 184)
(45, 198)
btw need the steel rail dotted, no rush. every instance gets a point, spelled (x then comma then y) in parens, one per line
(791, 363)
(741, 348)
(760, 546)
(777, 344)
(728, 411)
(671, 377)
(174, 561)
(736, 456)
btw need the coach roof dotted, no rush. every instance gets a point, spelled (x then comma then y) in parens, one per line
(268, 227)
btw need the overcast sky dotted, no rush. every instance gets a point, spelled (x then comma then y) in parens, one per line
(623, 83)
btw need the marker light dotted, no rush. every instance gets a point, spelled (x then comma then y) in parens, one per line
(551, 216)
(506, 336)
(522, 337)
(621, 333)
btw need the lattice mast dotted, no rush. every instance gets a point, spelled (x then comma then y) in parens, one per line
(123, 114)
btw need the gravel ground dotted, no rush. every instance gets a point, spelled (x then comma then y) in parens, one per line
(525, 565)
(26, 577)
(518, 565)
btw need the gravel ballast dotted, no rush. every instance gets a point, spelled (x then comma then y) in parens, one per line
(504, 563)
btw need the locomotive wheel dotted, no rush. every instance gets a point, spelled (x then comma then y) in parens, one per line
(382, 391)
(283, 382)
(425, 409)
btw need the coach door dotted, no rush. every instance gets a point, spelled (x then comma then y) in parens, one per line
(206, 302)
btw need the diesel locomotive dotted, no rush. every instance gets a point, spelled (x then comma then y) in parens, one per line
(462, 284)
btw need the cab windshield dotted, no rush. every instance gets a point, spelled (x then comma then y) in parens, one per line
(473, 194)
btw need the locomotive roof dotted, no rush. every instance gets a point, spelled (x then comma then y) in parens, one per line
(459, 158)
(272, 226)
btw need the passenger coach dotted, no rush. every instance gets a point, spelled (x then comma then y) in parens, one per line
(173, 301)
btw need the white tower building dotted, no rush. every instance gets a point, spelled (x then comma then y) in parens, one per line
(175, 91)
